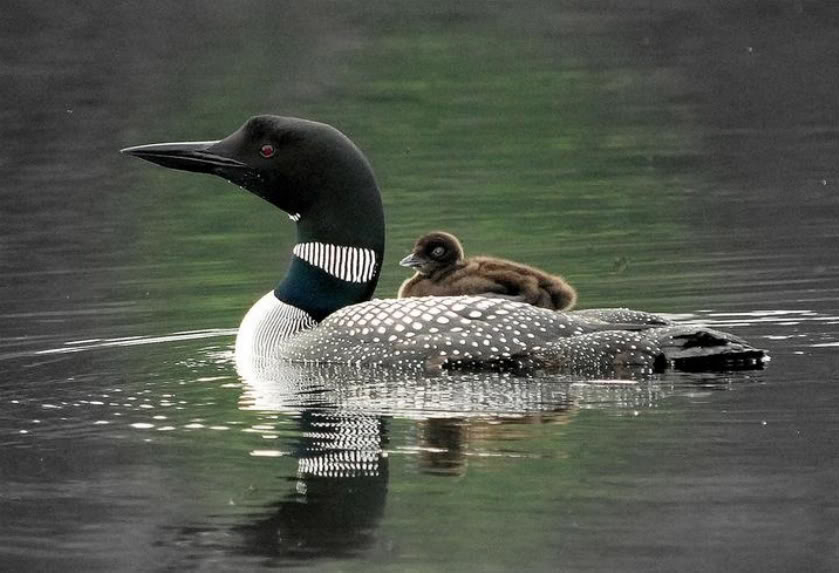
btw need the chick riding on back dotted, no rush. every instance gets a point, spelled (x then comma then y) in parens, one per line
(443, 270)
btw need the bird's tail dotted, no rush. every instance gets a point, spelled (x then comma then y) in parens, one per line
(628, 353)
(562, 295)
(694, 348)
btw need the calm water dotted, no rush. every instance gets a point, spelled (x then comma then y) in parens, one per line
(677, 157)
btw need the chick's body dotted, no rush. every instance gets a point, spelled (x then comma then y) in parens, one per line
(443, 270)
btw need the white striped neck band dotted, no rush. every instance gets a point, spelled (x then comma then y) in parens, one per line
(351, 264)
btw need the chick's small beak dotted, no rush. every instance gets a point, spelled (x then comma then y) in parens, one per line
(413, 261)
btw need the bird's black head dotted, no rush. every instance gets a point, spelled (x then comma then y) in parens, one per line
(309, 170)
(434, 251)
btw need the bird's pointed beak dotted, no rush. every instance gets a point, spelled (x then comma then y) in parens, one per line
(413, 261)
(196, 156)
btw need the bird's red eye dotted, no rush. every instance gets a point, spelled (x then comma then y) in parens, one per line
(266, 150)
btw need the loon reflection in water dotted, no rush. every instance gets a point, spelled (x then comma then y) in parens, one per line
(321, 311)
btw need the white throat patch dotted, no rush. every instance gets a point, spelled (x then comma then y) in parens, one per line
(351, 264)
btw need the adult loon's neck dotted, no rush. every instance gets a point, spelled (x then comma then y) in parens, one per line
(330, 270)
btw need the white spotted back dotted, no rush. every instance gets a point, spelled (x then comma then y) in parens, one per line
(429, 331)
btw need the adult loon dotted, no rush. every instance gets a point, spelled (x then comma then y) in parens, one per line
(321, 311)
(443, 270)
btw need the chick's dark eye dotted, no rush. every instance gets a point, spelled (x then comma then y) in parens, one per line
(266, 150)
(438, 252)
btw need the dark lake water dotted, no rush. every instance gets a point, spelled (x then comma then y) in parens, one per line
(678, 157)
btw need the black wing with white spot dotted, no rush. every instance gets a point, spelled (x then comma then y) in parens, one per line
(439, 332)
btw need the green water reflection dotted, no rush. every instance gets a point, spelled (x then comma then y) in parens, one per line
(557, 163)
(665, 156)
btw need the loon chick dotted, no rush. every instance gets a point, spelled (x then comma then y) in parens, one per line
(443, 270)
(321, 310)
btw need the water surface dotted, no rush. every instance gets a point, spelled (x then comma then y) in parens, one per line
(675, 157)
